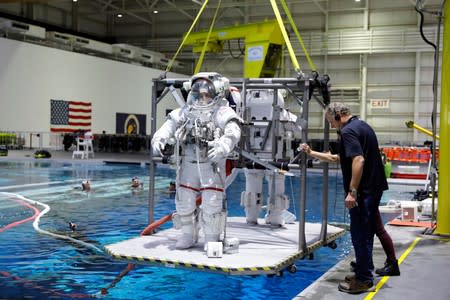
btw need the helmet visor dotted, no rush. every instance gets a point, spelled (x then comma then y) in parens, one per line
(202, 93)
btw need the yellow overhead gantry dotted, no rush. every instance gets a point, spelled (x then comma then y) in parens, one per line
(263, 45)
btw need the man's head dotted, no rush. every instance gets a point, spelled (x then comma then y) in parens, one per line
(337, 114)
(86, 186)
(135, 182)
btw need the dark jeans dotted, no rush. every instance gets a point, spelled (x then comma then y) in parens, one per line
(362, 229)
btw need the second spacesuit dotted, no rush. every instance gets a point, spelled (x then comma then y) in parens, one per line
(272, 129)
(204, 132)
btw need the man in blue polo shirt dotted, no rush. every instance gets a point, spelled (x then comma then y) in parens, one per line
(364, 183)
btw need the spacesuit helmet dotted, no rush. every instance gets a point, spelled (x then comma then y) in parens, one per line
(202, 93)
(206, 88)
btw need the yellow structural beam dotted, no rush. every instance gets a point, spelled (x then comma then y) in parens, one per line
(263, 45)
(443, 212)
(411, 124)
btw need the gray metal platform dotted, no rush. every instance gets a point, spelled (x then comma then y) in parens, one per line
(262, 249)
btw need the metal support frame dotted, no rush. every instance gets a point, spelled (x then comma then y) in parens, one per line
(300, 88)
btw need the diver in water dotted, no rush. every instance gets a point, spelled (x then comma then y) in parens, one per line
(72, 226)
(136, 183)
(86, 186)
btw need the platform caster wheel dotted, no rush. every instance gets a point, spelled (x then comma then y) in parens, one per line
(280, 274)
(292, 269)
(332, 245)
(311, 256)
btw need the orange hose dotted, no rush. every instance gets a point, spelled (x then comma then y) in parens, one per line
(151, 228)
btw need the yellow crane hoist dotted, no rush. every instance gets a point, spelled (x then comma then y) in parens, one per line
(263, 42)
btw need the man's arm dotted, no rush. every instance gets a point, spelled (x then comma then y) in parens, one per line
(324, 156)
(357, 171)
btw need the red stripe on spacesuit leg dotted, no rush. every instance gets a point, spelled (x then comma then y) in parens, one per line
(189, 188)
(212, 189)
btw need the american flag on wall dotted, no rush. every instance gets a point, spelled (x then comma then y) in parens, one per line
(70, 116)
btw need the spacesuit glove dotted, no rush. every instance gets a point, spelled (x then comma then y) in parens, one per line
(218, 151)
(157, 147)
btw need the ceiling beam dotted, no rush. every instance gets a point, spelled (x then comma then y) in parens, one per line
(105, 6)
(180, 10)
(108, 3)
(146, 6)
(316, 3)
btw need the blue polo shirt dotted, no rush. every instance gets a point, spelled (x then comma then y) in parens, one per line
(358, 138)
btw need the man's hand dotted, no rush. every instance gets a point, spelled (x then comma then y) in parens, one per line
(305, 147)
(350, 201)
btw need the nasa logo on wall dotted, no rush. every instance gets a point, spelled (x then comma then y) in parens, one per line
(131, 125)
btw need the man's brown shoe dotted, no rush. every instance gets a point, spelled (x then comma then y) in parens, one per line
(349, 277)
(355, 286)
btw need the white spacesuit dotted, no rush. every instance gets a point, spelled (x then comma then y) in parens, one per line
(204, 132)
(262, 115)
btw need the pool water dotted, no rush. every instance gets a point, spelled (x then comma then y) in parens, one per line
(41, 266)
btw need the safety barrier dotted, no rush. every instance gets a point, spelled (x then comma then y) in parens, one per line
(67, 141)
(408, 154)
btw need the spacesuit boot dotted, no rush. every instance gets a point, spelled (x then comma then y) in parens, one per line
(277, 202)
(251, 197)
(213, 225)
(187, 238)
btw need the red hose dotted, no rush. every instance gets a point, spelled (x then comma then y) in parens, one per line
(27, 282)
(151, 228)
(13, 224)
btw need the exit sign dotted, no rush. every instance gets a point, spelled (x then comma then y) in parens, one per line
(379, 103)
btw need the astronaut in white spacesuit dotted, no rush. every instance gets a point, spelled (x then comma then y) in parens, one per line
(263, 114)
(204, 132)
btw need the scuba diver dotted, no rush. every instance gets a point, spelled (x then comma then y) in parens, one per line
(86, 186)
(136, 183)
(204, 132)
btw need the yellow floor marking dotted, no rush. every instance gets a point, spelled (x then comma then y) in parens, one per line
(386, 278)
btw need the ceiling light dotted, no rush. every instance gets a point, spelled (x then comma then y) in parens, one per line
(155, 11)
(357, 0)
(119, 15)
(74, 0)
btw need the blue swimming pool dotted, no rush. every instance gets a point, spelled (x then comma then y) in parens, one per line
(41, 266)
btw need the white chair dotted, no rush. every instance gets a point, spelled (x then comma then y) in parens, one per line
(77, 154)
(84, 146)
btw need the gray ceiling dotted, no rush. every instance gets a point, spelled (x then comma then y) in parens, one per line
(163, 31)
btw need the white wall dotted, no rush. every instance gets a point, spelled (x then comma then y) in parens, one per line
(31, 75)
